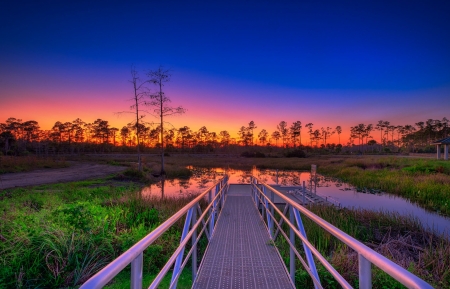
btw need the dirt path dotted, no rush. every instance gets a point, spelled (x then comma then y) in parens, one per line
(76, 172)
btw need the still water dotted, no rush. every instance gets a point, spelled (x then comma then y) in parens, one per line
(343, 193)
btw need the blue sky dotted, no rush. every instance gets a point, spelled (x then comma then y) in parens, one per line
(378, 59)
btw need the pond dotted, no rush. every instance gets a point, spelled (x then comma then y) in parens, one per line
(340, 192)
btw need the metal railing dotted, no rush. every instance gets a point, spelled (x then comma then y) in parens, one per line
(263, 195)
(195, 219)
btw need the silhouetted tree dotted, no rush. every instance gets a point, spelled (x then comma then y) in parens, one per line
(282, 128)
(339, 131)
(251, 127)
(160, 102)
(276, 135)
(139, 92)
(262, 136)
(295, 130)
(224, 137)
(309, 126)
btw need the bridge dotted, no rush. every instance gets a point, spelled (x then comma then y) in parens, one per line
(241, 223)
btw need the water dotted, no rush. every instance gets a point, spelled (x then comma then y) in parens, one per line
(345, 194)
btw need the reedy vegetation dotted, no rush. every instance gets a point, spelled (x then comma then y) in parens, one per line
(60, 235)
(400, 239)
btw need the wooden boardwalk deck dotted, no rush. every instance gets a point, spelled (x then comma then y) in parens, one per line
(240, 253)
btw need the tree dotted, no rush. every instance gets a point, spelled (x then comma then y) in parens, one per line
(139, 92)
(310, 131)
(160, 102)
(282, 128)
(183, 136)
(262, 136)
(295, 130)
(124, 135)
(276, 135)
(251, 127)
(224, 137)
(244, 135)
(339, 131)
(326, 133)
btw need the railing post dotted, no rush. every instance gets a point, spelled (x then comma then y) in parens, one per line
(309, 256)
(136, 272)
(272, 198)
(263, 204)
(365, 272)
(194, 247)
(211, 219)
(176, 267)
(304, 193)
(291, 251)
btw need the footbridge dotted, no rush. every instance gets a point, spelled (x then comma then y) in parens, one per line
(241, 223)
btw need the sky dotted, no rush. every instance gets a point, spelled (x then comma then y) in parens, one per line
(323, 62)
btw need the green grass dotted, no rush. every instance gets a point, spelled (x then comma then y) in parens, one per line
(123, 280)
(60, 235)
(398, 238)
(425, 182)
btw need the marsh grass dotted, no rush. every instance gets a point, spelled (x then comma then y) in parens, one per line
(59, 235)
(11, 164)
(399, 238)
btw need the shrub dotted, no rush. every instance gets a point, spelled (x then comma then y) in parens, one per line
(247, 154)
(295, 154)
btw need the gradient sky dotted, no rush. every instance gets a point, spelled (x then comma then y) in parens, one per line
(326, 62)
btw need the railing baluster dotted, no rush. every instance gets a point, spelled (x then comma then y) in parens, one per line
(199, 211)
(194, 246)
(187, 224)
(365, 272)
(211, 220)
(136, 272)
(285, 210)
(309, 256)
(272, 197)
(292, 240)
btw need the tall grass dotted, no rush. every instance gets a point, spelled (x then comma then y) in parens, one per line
(399, 238)
(10, 164)
(425, 182)
(60, 235)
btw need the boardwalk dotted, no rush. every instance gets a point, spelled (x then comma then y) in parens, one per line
(240, 254)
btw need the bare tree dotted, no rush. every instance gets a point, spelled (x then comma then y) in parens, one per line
(139, 92)
(160, 102)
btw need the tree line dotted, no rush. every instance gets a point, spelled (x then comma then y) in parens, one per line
(17, 136)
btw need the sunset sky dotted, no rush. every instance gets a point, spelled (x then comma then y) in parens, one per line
(326, 62)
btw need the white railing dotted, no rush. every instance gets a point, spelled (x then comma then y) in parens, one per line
(263, 195)
(195, 219)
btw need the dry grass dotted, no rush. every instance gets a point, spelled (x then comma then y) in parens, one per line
(10, 164)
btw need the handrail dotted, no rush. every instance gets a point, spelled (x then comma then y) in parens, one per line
(134, 255)
(366, 255)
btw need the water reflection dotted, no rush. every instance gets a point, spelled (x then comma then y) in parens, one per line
(348, 196)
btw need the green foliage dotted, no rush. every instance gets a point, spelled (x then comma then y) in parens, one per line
(60, 235)
(422, 181)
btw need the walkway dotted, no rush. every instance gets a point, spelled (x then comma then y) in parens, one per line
(240, 254)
